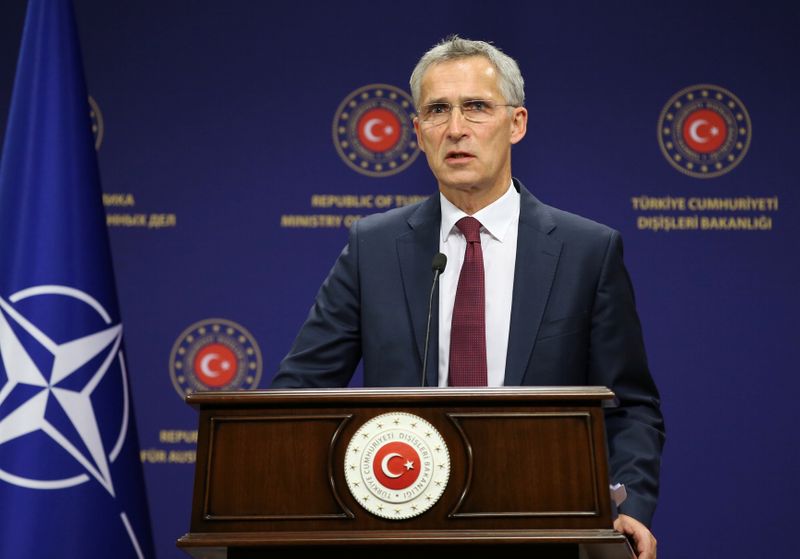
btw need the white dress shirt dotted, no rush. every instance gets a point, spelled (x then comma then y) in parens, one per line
(500, 222)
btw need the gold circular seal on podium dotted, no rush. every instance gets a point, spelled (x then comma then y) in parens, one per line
(397, 465)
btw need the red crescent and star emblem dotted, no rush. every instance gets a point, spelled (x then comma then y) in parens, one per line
(215, 354)
(704, 131)
(215, 365)
(373, 130)
(379, 130)
(397, 465)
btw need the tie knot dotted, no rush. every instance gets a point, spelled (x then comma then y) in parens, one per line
(471, 228)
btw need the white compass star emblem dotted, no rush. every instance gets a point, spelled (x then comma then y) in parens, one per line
(48, 387)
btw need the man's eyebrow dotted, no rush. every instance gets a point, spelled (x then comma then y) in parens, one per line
(437, 100)
(461, 99)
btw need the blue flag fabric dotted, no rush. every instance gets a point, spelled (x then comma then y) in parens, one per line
(70, 475)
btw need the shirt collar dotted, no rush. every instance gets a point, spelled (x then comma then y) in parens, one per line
(495, 218)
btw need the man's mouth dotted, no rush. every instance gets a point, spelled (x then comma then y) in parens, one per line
(458, 155)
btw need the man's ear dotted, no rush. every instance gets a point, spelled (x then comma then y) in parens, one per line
(519, 124)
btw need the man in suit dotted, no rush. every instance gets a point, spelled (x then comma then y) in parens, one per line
(531, 296)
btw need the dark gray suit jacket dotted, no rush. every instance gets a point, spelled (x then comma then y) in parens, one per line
(573, 322)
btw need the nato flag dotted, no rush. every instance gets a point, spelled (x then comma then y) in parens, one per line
(70, 476)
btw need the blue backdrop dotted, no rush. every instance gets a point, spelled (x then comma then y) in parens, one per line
(215, 121)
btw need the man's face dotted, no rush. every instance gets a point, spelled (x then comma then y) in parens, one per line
(468, 157)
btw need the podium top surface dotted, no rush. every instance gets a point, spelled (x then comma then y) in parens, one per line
(399, 395)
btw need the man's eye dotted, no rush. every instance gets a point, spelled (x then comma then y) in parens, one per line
(476, 106)
(438, 108)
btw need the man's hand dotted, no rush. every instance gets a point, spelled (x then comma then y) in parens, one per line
(643, 540)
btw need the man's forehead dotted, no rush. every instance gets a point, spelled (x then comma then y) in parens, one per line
(460, 79)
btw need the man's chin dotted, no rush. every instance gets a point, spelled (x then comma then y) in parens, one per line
(460, 180)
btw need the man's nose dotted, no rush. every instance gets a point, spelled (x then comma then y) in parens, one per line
(456, 124)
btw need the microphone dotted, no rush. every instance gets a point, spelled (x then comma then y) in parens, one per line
(438, 266)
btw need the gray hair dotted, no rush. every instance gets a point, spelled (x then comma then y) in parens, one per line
(511, 84)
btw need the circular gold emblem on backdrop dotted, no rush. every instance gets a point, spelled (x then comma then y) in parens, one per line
(373, 130)
(397, 465)
(215, 354)
(98, 127)
(704, 131)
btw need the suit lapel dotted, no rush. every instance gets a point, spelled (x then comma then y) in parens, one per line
(415, 251)
(535, 268)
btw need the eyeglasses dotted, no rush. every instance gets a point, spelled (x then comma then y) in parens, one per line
(474, 110)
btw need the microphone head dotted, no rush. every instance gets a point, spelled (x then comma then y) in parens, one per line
(439, 263)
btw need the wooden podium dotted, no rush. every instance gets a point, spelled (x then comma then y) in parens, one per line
(527, 474)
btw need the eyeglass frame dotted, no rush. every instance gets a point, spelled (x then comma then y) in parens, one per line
(460, 106)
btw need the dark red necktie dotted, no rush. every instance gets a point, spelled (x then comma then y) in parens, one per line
(468, 329)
